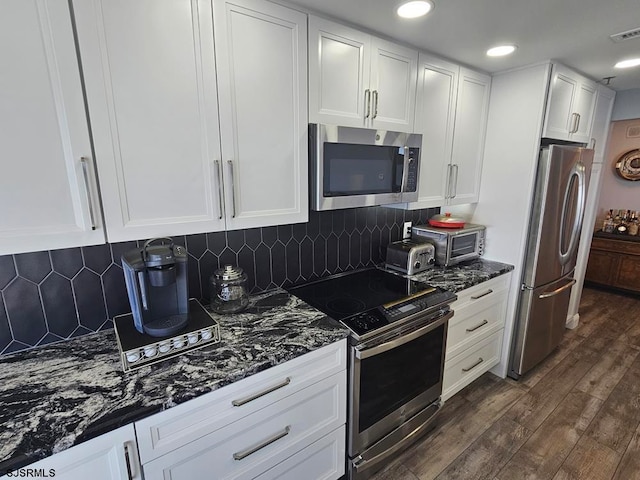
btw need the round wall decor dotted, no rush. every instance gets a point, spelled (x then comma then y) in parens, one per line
(628, 165)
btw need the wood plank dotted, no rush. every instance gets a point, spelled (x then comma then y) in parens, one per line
(545, 451)
(537, 404)
(589, 460)
(629, 466)
(486, 456)
(602, 378)
(619, 417)
(395, 471)
(451, 438)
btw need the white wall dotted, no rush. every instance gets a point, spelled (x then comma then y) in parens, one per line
(616, 192)
(627, 105)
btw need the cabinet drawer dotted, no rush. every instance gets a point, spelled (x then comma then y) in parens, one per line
(173, 428)
(461, 370)
(483, 290)
(322, 460)
(261, 440)
(475, 321)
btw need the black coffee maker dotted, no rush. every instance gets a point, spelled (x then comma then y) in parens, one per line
(156, 279)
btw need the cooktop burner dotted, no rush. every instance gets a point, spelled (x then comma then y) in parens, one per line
(371, 299)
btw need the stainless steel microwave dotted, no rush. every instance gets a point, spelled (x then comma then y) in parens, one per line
(453, 245)
(359, 167)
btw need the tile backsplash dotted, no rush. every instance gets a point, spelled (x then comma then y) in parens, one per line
(54, 295)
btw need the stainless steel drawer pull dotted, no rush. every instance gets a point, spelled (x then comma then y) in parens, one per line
(127, 459)
(480, 360)
(473, 329)
(475, 297)
(375, 104)
(557, 291)
(218, 172)
(84, 161)
(251, 398)
(233, 189)
(261, 445)
(367, 96)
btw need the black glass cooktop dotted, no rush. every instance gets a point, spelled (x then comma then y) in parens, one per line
(367, 300)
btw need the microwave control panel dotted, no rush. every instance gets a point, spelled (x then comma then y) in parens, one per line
(412, 170)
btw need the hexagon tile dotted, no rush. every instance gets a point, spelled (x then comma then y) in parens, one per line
(52, 295)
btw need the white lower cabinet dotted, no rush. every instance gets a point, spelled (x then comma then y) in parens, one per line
(112, 456)
(474, 338)
(287, 418)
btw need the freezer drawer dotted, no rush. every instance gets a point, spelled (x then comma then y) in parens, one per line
(542, 314)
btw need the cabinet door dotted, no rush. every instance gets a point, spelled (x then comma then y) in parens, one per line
(601, 267)
(628, 273)
(559, 119)
(584, 107)
(151, 89)
(112, 456)
(339, 64)
(469, 133)
(44, 136)
(601, 122)
(262, 63)
(435, 116)
(393, 86)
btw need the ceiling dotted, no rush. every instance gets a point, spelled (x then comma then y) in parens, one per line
(574, 32)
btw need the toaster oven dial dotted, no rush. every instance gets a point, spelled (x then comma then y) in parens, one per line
(416, 264)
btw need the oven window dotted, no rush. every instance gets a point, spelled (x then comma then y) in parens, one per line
(351, 169)
(393, 378)
(463, 245)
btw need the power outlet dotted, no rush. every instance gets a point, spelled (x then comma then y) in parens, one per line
(406, 230)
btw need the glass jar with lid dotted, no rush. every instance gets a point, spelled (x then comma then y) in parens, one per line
(228, 290)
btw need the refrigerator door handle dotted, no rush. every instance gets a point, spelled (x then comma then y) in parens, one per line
(557, 291)
(579, 173)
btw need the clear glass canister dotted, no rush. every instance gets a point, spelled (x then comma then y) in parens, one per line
(228, 290)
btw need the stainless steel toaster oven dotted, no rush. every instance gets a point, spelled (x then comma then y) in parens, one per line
(453, 245)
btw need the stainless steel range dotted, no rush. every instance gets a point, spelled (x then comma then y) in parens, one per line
(396, 358)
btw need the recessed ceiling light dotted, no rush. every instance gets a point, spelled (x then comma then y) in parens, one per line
(501, 50)
(633, 62)
(414, 9)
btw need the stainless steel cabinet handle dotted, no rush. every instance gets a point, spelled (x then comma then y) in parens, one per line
(480, 360)
(473, 329)
(251, 398)
(233, 189)
(448, 183)
(578, 122)
(375, 104)
(367, 97)
(218, 169)
(475, 297)
(455, 182)
(594, 143)
(575, 122)
(84, 161)
(559, 290)
(245, 453)
(127, 458)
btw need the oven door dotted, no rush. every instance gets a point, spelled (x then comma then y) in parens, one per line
(393, 378)
(463, 247)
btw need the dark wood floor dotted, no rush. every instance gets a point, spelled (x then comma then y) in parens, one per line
(575, 416)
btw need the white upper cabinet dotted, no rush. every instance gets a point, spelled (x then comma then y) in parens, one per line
(151, 88)
(261, 51)
(570, 106)
(171, 160)
(601, 122)
(435, 117)
(47, 187)
(357, 80)
(451, 114)
(468, 139)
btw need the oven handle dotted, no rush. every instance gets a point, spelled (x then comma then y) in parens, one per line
(396, 342)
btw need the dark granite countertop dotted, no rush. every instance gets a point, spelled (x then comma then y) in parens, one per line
(464, 275)
(58, 395)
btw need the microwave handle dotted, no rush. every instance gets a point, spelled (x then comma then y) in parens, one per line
(405, 169)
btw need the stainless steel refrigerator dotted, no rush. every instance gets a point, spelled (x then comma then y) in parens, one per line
(554, 234)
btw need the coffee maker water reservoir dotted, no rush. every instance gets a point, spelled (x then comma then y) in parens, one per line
(156, 280)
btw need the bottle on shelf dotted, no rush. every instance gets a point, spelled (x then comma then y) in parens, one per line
(634, 224)
(607, 225)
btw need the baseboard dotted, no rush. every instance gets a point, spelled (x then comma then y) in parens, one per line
(572, 322)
